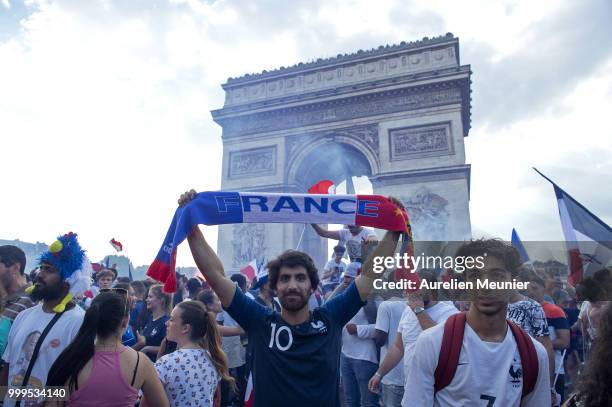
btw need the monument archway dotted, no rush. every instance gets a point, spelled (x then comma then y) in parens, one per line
(397, 114)
(333, 158)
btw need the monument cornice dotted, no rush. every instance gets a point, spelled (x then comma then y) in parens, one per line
(344, 59)
(386, 62)
(408, 80)
(433, 94)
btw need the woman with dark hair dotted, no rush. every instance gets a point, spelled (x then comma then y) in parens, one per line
(212, 304)
(595, 385)
(191, 373)
(210, 300)
(97, 369)
(158, 303)
(130, 336)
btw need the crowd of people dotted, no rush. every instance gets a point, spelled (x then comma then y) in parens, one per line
(297, 336)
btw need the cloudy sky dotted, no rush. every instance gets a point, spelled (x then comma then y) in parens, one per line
(104, 104)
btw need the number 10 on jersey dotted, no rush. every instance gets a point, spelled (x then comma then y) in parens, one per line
(274, 337)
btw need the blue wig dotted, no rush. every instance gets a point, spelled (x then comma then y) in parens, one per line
(65, 254)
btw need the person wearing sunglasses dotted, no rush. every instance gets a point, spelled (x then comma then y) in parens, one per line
(130, 336)
(97, 368)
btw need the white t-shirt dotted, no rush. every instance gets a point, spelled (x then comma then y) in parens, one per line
(488, 373)
(388, 318)
(558, 353)
(331, 265)
(360, 346)
(353, 243)
(232, 345)
(410, 328)
(23, 336)
(189, 377)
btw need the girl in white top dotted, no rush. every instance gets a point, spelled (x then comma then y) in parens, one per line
(190, 374)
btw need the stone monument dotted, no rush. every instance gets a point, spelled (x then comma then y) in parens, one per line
(396, 114)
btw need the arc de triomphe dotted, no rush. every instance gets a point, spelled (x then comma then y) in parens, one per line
(397, 114)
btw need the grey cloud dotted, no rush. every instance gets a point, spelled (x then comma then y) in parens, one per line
(585, 182)
(564, 49)
(265, 19)
(420, 24)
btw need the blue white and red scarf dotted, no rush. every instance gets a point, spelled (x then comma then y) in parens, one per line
(216, 208)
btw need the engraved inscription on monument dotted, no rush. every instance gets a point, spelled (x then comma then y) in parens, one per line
(420, 141)
(253, 162)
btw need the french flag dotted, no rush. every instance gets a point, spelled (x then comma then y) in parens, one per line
(323, 187)
(116, 244)
(515, 240)
(249, 392)
(220, 207)
(588, 238)
(250, 270)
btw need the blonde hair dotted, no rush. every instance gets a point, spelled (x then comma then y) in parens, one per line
(158, 291)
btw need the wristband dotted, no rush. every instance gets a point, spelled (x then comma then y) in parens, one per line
(379, 375)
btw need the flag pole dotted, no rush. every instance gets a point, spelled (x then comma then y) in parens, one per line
(544, 176)
(301, 237)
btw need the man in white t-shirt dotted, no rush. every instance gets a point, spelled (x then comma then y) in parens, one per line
(422, 312)
(64, 272)
(332, 271)
(489, 371)
(387, 321)
(358, 360)
(352, 237)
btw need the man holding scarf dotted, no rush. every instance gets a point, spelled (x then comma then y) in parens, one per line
(296, 350)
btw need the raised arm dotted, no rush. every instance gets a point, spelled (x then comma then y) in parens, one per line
(330, 234)
(230, 330)
(207, 260)
(385, 248)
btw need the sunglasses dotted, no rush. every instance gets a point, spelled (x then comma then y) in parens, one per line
(114, 290)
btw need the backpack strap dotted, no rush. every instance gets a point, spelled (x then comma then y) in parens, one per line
(41, 338)
(529, 358)
(452, 339)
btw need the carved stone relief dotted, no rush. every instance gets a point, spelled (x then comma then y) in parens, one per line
(368, 134)
(421, 141)
(249, 242)
(428, 214)
(253, 162)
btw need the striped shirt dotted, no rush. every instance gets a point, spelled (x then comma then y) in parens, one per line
(16, 303)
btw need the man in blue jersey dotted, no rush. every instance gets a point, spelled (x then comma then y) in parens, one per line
(296, 351)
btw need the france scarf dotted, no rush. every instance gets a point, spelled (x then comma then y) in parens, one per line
(220, 207)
